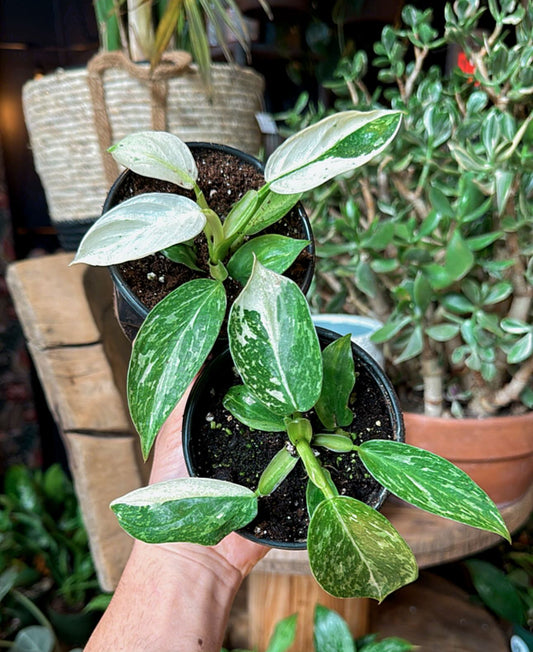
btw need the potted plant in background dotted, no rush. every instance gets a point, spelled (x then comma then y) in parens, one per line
(285, 376)
(47, 573)
(141, 79)
(434, 240)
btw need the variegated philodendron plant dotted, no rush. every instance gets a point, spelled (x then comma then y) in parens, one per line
(180, 331)
(354, 551)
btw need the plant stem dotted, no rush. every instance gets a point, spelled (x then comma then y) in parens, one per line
(314, 468)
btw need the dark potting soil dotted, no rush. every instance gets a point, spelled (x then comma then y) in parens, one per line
(228, 450)
(223, 178)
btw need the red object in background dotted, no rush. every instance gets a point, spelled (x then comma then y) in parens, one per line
(464, 64)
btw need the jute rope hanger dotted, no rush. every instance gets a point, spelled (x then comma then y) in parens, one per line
(171, 65)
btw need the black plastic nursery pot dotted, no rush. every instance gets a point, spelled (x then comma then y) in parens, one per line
(217, 446)
(130, 307)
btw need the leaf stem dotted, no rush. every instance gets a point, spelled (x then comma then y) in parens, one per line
(314, 468)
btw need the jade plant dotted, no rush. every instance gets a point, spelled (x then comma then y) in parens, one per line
(435, 238)
(181, 330)
(354, 551)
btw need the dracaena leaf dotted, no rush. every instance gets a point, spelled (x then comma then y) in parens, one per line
(171, 346)
(354, 551)
(271, 338)
(248, 410)
(138, 227)
(157, 154)
(277, 252)
(335, 145)
(339, 377)
(432, 483)
(170, 511)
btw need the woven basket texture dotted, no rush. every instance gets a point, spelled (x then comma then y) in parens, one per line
(60, 120)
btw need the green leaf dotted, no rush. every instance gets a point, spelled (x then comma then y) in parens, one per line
(431, 483)
(157, 154)
(35, 638)
(197, 510)
(248, 410)
(337, 144)
(440, 202)
(272, 338)
(390, 644)
(276, 471)
(331, 632)
(390, 329)
(442, 332)
(182, 253)
(414, 346)
(7, 581)
(332, 407)
(140, 226)
(171, 346)
(277, 252)
(458, 304)
(354, 551)
(270, 211)
(516, 326)
(240, 214)
(497, 591)
(522, 350)
(504, 186)
(19, 485)
(284, 634)
(459, 258)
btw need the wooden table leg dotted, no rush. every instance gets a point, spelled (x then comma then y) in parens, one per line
(273, 596)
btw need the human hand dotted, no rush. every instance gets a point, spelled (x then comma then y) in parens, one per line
(169, 462)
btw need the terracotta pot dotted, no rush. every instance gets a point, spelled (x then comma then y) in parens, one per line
(496, 452)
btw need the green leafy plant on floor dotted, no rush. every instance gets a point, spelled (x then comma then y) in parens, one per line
(354, 551)
(435, 238)
(180, 331)
(331, 634)
(44, 551)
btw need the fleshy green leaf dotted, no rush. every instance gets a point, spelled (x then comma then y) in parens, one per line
(35, 638)
(140, 226)
(331, 632)
(432, 483)
(496, 590)
(284, 634)
(335, 145)
(277, 252)
(332, 407)
(171, 511)
(271, 338)
(271, 210)
(354, 551)
(248, 410)
(522, 350)
(442, 332)
(157, 154)
(171, 346)
(182, 253)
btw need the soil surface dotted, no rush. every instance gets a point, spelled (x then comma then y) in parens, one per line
(228, 450)
(223, 178)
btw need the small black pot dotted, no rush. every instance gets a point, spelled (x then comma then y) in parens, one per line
(203, 445)
(130, 310)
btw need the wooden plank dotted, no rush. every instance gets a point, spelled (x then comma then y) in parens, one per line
(80, 389)
(273, 597)
(50, 302)
(104, 468)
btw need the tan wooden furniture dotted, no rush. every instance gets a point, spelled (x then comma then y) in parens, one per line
(81, 358)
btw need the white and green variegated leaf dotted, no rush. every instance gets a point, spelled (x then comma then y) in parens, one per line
(274, 344)
(277, 252)
(34, 638)
(157, 154)
(332, 407)
(140, 226)
(245, 407)
(335, 145)
(331, 632)
(171, 346)
(197, 510)
(354, 551)
(432, 483)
